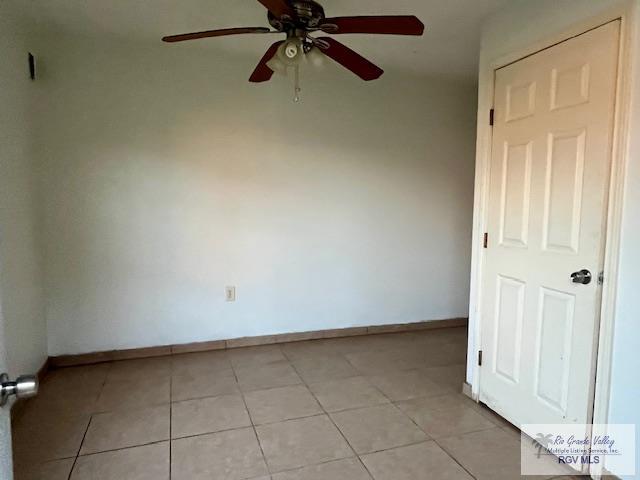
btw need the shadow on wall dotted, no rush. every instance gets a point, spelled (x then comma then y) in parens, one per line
(166, 176)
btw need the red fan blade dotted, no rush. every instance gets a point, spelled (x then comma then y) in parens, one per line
(390, 25)
(214, 33)
(351, 60)
(263, 73)
(278, 8)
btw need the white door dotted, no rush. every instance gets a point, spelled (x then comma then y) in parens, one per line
(551, 156)
(6, 470)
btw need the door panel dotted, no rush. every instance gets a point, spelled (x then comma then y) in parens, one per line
(515, 195)
(570, 86)
(549, 174)
(563, 191)
(509, 315)
(521, 101)
(553, 356)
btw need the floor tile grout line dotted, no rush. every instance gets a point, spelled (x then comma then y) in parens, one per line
(366, 376)
(130, 408)
(365, 467)
(268, 388)
(412, 444)
(344, 356)
(75, 460)
(309, 385)
(253, 426)
(391, 402)
(429, 438)
(320, 414)
(205, 434)
(238, 392)
(324, 411)
(420, 443)
(104, 382)
(259, 425)
(129, 447)
(328, 416)
(397, 408)
(454, 459)
(359, 407)
(442, 437)
(264, 458)
(395, 402)
(326, 462)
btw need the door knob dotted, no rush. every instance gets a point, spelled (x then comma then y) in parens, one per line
(583, 277)
(25, 386)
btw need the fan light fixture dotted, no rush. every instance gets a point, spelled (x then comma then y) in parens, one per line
(293, 54)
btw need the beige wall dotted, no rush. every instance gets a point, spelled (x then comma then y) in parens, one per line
(168, 176)
(21, 281)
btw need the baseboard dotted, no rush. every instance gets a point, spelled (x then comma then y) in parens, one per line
(466, 390)
(17, 409)
(112, 355)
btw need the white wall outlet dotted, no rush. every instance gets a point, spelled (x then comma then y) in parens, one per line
(230, 294)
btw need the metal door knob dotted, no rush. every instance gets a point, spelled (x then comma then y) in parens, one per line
(583, 277)
(25, 386)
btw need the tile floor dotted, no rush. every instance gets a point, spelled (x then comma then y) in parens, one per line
(381, 407)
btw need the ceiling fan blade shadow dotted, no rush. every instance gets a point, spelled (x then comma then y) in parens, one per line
(262, 72)
(389, 25)
(351, 60)
(214, 33)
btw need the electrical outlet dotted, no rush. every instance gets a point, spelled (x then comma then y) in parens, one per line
(230, 294)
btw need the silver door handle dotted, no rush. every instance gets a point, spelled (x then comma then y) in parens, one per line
(583, 277)
(25, 386)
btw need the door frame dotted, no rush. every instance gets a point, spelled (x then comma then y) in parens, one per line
(626, 14)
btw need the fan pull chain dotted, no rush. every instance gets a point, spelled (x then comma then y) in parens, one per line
(296, 88)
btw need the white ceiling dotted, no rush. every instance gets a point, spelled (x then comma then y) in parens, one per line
(449, 47)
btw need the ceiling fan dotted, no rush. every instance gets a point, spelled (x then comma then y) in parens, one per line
(298, 19)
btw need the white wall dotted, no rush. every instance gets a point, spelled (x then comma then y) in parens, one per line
(625, 393)
(21, 281)
(525, 23)
(168, 176)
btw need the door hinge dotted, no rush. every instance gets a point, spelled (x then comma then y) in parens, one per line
(485, 241)
(480, 358)
(491, 116)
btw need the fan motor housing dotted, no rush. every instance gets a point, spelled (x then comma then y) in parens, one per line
(309, 15)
